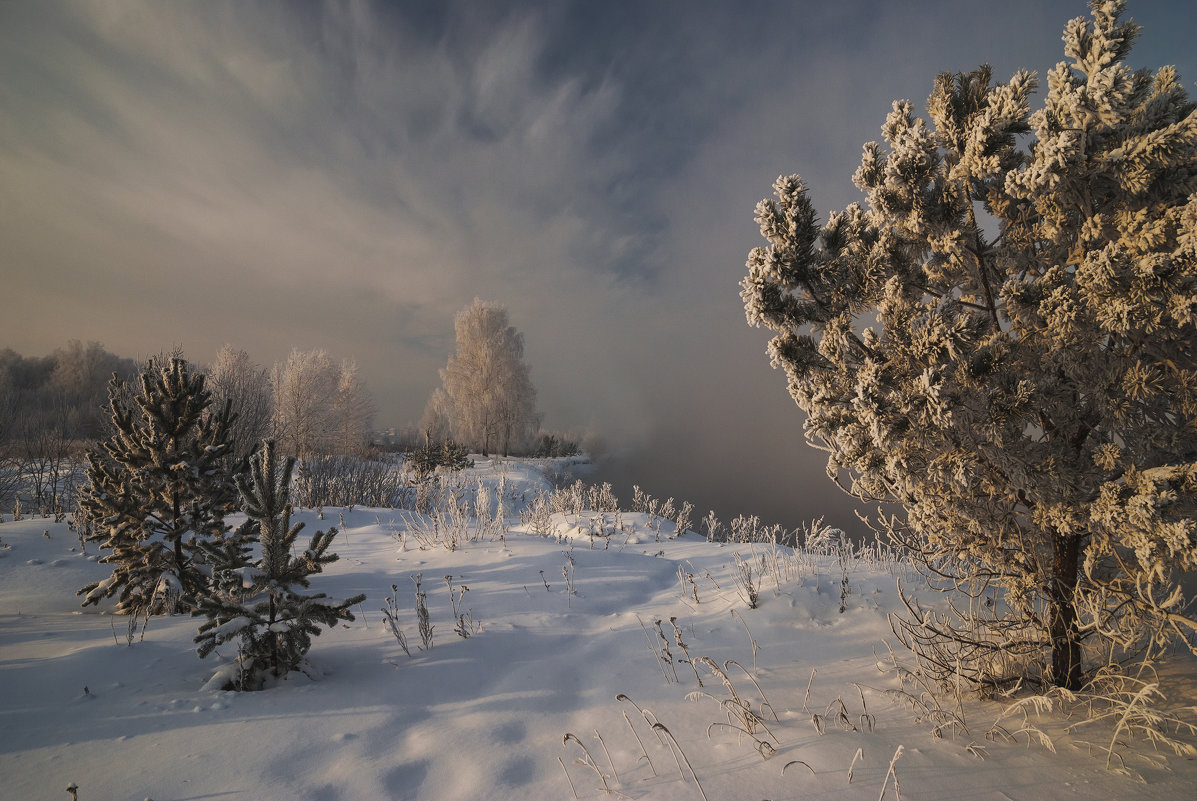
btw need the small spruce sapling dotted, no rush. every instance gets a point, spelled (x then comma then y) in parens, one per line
(257, 602)
(157, 489)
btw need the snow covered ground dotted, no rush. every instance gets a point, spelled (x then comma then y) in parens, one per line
(485, 717)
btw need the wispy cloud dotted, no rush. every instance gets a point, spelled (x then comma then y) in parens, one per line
(172, 152)
(349, 174)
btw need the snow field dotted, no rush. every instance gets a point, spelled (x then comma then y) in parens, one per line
(485, 717)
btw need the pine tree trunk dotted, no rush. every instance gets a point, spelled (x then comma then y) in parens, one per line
(275, 659)
(1066, 646)
(185, 587)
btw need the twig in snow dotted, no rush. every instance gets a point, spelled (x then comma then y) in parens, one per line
(859, 755)
(677, 750)
(751, 639)
(586, 759)
(567, 778)
(892, 772)
(640, 742)
(610, 762)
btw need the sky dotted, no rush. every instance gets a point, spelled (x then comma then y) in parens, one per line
(348, 175)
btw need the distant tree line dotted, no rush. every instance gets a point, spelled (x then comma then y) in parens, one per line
(53, 408)
(49, 407)
(65, 392)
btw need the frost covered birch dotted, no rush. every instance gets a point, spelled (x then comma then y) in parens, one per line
(491, 402)
(1001, 344)
(320, 408)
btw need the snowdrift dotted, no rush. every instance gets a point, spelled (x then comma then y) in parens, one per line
(605, 654)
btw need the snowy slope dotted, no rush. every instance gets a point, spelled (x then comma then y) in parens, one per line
(484, 717)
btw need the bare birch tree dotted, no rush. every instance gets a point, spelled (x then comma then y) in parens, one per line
(354, 412)
(435, 424)
(234, 377)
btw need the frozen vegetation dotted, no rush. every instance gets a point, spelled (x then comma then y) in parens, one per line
(999, 344)
(569, 647)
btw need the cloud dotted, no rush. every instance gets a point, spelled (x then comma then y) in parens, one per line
(348, 175)
(206, 150)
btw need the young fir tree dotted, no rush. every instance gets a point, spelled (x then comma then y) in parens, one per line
(257, 602)
(1003, 342)
(157, 489)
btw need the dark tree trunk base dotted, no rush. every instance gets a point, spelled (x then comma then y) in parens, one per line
(1065, 638)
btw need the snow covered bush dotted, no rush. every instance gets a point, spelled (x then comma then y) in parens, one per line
(553, 446)
(257, 601)
(347, 481)
(158, 488)
(1002, 342)
(425, 460)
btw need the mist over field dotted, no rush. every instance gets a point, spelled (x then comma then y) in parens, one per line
(732, 473)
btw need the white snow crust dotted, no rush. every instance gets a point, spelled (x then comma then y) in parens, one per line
(484, 717)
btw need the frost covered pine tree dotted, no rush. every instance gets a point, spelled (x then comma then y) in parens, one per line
(1002, 341)
(157, 489)
(258, 602)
